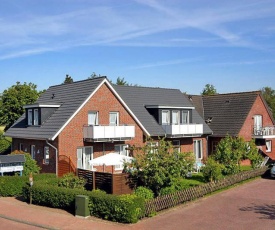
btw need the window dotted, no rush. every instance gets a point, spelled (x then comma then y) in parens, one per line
(84, 155)
(153, 147)
(92, 118)
(20, 147)
(29, 116)
(268, 144)
(33, 151)
(35, 117)
(185, 117)
(175, 117)
(198, 149)
(165, 117)
(46, 155)
(113, 118)
(258, 123)
(121, 149)
(176, 146)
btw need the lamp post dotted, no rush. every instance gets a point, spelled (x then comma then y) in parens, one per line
(31, 184)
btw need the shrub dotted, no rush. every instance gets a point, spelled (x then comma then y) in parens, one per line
(71, 181)
(12, 185)
(212, 170)
(143, 192)
(4, 143)
(123, 208)
(30, 165)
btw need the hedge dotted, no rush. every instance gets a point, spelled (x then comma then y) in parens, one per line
(12, 185)
(123, 208)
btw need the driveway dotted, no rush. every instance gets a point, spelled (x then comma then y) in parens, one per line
(249, 206)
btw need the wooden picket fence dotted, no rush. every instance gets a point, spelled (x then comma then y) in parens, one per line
(171, 200)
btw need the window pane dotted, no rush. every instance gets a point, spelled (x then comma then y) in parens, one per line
(113, 118)
(92, 118)
(268, 146)
(30, 117)
(35, 121)
(185, 117)
(175, 117)
(165, 117)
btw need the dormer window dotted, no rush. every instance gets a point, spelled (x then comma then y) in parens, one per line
(165, 117)
(35, 117)
(185, 117)
(29, 116)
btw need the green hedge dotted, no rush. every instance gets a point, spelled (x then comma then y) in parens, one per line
(12, 185)
(124, 208)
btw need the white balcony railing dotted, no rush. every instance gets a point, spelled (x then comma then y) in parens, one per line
(106, 132)
(183, 129)
(264, 132)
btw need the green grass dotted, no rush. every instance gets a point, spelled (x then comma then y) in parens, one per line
(196, 179)
(246, 167)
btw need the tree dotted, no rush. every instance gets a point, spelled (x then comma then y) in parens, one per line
(121, 81)
(269, 96)
(209, 90)
(94, 75)
(161, 167)
(232, 150)
(68, 79)
(4, 143)
(13, 100)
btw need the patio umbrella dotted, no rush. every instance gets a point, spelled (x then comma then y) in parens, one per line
(110, 159)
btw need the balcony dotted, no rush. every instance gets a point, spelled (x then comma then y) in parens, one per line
(106, 133)
(264, 132)
(182, 130)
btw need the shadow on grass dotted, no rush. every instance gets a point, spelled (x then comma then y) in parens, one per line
(267, 211)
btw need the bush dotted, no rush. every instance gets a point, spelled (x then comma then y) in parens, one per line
(143, 192)
(212, 170)
(4, 143)
(30, 165)
(71, 181)
(123, 208)
(12, 185)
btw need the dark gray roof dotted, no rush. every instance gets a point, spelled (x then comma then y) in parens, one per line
(69, 96)
(17, 158)
(228, 111)
(137, 98)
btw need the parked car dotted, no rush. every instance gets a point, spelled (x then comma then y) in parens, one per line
(272, 171)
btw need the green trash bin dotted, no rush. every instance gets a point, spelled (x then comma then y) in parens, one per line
(82, 206)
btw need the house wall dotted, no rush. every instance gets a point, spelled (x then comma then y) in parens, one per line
(103, 101)
(39, 152)
(246, 131)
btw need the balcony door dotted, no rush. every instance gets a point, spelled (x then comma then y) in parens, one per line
(175, 117)
(258, 123)
(198, 150)
(84, 155)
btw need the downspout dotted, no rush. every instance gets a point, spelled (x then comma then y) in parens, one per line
(56, 157)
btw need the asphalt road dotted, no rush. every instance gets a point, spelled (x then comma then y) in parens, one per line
(248, 206)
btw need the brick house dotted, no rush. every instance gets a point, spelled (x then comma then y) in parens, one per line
(243, 114)
(81, 121)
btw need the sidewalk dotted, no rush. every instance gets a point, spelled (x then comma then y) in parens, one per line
(39, 217)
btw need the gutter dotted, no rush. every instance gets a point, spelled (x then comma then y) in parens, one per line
(56, 157)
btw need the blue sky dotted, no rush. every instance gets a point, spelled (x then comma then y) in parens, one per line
(179, 44)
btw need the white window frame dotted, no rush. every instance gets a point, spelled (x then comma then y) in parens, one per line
(185, 117)
(175, 117)
(46, 160)
(198, 146)
(84, 155)
(35, 117)
(165, 117)
(93, 118)
(114, 118)
(268, 144)
(33, 151)
(121, 150)
(176, 146)
(29, 116)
